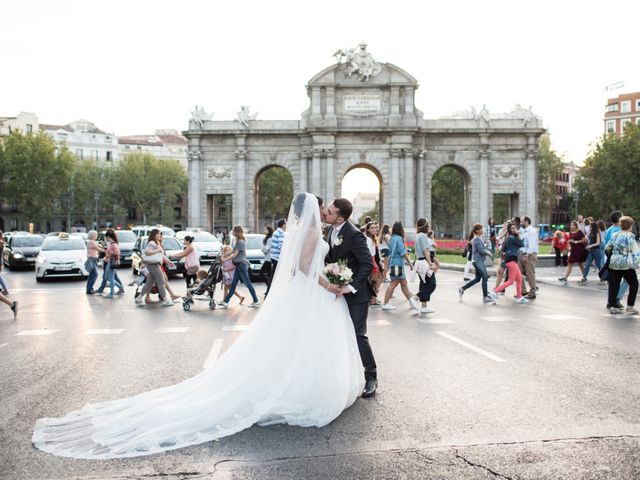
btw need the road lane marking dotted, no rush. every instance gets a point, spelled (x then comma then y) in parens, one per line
(434, 321)
(105, 331)
(620, 315)
(4, 345)
(214, 353)
(172, 330)
(35, 332)
(499, 318)
(235, 328)
(490, 355)
(381, 322)
(561, 316)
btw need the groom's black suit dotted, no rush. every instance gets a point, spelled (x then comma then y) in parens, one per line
(353, 249)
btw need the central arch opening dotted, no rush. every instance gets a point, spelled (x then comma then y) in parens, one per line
(449, 202)
(362, 185)
(274, 193)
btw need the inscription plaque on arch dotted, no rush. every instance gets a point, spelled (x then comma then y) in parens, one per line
(362, 103)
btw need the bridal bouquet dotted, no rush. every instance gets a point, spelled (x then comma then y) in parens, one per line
(338, 273)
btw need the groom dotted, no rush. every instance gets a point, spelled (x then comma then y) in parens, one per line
(348, 243)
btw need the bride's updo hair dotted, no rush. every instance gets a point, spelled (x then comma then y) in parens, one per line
(298, 203)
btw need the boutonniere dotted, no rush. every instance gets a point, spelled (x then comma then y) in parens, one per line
(338, 241)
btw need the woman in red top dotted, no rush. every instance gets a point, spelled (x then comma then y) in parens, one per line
(577, 242)
(560, 244)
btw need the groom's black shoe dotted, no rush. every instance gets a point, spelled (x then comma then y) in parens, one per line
(370, 387)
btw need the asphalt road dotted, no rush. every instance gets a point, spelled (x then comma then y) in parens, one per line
(550, 389)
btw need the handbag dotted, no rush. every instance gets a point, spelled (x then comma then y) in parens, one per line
(395, 270)
(154, 259)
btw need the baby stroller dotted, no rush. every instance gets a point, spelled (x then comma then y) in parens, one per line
(206, 287)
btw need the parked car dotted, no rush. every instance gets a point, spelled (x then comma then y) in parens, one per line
(21, 251)
(207, 245)
(126, 241)
(61, 256)
(143, 230)
(171, 247)
(255, 257)
(189, 231)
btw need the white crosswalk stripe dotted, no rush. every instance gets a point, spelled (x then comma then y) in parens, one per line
(35, 332)
(172, 330)
(381, 322)
(560, 316)
(434, 321)
(105, 331)
(4, 345)
(499, 318)
(234, 328)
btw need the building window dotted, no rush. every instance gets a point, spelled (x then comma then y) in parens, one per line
(637, 120)
(612, 107)
(625, 107)
(611, 126)
(94, 154)
(623, 124)
(109, 158)
(79, 153)
(638, 105)
(29, 128)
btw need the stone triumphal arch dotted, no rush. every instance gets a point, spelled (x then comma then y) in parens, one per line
(362, 113)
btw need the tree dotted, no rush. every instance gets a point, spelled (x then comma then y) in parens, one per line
(550, 165)
(36, 175)
(150, 184)
(609, 178)
(447, 201)
(275, 193)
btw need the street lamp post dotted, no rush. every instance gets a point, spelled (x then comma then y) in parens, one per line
(163, 199)
(96, 197)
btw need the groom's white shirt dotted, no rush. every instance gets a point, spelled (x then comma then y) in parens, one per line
(334, 234)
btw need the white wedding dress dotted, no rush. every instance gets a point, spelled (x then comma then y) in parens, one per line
(297, 363)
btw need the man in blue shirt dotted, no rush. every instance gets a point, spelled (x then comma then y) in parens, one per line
(276, 247)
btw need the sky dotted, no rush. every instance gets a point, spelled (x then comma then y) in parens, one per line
(132, 67)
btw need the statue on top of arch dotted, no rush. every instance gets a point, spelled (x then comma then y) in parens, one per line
(199, 116)
(358, 61)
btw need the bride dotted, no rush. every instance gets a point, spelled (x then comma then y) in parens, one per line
(297, 363)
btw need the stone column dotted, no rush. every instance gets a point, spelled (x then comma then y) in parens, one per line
(409, 189)
(408, 100)
(483, 187)
(421, 186)
(195, 183)
(304, 171)
(331, 173)
(315, 171)
(240, 197)
(316, 103)
(394, 185)
(530, 186)
(330, 102)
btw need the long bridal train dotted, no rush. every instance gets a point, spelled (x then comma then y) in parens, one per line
(297, 363)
